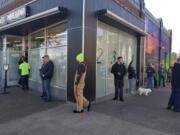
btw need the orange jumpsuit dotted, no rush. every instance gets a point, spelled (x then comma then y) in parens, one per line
(79, 84)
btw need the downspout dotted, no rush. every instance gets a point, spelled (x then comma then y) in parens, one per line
(160, 43)
(83, 25)
(170, 48)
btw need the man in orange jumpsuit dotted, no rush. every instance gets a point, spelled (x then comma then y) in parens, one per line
(79, 84)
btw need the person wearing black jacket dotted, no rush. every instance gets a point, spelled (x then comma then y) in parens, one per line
(174, 101)
(162, 75)
(150, 76)
(119, 70)
(132, 78)
(46, 74)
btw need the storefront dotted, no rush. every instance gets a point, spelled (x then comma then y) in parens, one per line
(157, 42)
(112, 43)
(33, 32)
(101, 29)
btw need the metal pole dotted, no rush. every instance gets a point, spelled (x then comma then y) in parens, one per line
(5, 83)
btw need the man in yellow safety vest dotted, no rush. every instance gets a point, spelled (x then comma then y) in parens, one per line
(24, 69)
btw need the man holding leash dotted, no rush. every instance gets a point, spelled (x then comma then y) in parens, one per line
(119, 70)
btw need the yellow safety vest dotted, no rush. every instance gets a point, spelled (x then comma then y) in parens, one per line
(24, 67)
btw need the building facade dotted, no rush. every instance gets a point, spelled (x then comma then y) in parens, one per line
(158, 42)
(101, 29)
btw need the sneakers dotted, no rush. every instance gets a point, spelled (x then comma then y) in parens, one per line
(168, 107)
(75, 111)
(122, 100)
(89, 106)
(114, 99)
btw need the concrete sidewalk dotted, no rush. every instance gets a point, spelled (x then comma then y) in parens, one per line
(19, 104)
(136, 116)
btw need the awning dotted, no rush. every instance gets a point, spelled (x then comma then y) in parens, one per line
(108, 14)
(50, 12)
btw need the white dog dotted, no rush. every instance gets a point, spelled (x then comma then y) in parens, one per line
(143, 91)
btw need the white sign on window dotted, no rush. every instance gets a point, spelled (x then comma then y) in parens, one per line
(2, 20)
(16, 14)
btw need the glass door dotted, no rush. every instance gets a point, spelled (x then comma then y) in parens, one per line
(13, 53)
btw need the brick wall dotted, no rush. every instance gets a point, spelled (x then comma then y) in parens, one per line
(13, 5)
(130, 7)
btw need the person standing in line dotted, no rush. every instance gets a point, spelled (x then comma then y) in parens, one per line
(46, 74)
(150, 76)
(162, 74)
(155, 76)
(24, 70)
(174, 101)
(119, 71)
(169, 74)
(79, 84)
(132, 78)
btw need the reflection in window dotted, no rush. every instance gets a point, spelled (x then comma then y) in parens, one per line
(14, 43)
(136, 3)
(37, 40)
(57, 35)
(1, 43)
(111, 43)
(35, 60)
(59, 57)
(56, 48)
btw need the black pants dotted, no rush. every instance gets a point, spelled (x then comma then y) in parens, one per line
(118, 89)
(24, 82)
(155, 82)
(171, 99)
(162, 80)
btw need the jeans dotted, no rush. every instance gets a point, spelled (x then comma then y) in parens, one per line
(150, 82)
(46, 88)
(132, 85)
(118, 89)
(155, 82)
(24, 82)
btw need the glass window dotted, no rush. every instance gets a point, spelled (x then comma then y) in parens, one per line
(57, 35)
(14, 43)
(58, 55)
(35, 60)
(111, 43)
(13, 66)
(1, 43)
(1, 66)
(136, 3)
(37, 40)
(56, 49)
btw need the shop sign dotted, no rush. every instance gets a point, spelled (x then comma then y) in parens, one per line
(16, 15)
(13, 16)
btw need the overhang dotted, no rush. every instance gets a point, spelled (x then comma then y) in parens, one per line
(112, 16)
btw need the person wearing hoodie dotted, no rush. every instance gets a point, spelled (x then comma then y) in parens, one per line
(174, 101)
(79, 84)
